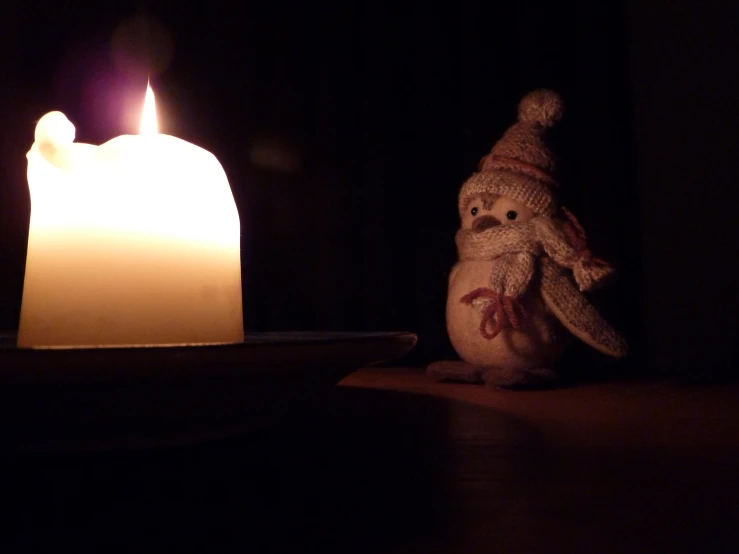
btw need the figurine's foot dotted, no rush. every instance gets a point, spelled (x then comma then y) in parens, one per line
(520, 379)
(448, 370)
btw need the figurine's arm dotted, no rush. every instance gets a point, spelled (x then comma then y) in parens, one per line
(573, 310)
(453, 273)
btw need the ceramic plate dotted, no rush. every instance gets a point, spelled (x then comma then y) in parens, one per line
(121, 398)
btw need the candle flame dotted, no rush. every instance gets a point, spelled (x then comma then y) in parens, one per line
(149, 124)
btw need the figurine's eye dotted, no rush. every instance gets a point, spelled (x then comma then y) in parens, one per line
(511, 215)
(473, 211)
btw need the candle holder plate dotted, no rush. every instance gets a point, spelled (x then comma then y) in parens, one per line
(103, 399)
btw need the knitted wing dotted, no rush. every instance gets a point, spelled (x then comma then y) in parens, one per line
(567, 303)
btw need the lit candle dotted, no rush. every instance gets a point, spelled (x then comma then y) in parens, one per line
(133, 242)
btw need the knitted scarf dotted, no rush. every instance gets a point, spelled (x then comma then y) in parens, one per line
(551, 248)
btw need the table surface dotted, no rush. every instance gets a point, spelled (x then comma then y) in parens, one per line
(616, 467)
(390, 461)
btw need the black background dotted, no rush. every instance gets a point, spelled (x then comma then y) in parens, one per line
(346, 129)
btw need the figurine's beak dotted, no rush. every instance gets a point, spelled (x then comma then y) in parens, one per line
(484, 222)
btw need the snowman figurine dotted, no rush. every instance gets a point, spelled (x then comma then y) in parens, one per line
(515, 296)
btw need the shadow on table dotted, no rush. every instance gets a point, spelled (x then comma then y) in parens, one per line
(354, 471)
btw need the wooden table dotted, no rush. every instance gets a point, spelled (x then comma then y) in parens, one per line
(391, 462)
(619, 467)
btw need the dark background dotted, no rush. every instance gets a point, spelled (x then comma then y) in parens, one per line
(346, 129)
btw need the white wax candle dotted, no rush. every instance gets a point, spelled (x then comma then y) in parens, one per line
(133, 242)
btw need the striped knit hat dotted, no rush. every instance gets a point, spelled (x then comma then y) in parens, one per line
(520, 165)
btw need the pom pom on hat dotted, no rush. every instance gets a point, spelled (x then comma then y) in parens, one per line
(542, 106)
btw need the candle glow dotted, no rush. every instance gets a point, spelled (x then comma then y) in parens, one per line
(133, 242)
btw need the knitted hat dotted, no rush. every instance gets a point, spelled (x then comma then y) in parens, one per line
(520, 165)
